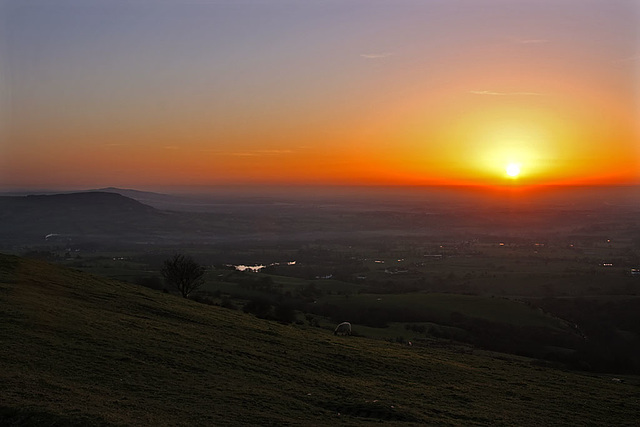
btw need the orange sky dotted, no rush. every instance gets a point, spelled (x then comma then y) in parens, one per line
(141, 95)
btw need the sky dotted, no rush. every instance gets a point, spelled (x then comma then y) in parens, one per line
(156, 93)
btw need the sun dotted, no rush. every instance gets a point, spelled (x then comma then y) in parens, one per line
(513, 170)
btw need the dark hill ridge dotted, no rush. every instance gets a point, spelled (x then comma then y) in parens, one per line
(74, 214)
(129, 191)
(156, 200)
(108, 219)
(90, 202)
(82, 350)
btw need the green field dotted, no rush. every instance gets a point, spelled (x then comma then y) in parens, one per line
(82, 350)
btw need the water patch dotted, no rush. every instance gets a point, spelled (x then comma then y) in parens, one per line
(253, 268)
(256, 268)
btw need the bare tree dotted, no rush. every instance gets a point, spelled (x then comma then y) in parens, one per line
(183, 273)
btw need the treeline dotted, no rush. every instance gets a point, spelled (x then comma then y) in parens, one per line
(610, 328)
(529, 341)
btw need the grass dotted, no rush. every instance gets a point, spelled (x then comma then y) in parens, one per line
(81, 350)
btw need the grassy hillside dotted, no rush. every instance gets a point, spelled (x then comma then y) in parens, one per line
(77, 349)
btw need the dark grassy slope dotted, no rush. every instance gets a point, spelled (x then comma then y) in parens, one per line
(80, 349)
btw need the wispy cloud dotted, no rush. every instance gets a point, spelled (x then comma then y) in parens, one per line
(632, 58)
(492, 93)
(532, 41)
(249, 153)
(256, 153)
(375, 55)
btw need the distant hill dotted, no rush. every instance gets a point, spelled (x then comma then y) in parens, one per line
(109, 219)
(89, 200)
(34, 217)
(82, 350)
(129, 192)
(157, 200)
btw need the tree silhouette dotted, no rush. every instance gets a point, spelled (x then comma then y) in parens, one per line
(183, 273)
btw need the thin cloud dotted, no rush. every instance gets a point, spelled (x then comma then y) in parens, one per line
(256, 153)
(532, 41)
(375, 55)
(250, 153)
(275, 151)
(492, 93)
(630, 58)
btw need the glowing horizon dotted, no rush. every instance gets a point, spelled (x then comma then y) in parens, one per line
(110, 93)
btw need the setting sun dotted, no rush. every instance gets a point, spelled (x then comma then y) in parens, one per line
(513, 170)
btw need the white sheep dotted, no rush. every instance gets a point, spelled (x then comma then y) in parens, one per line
(343, 328)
